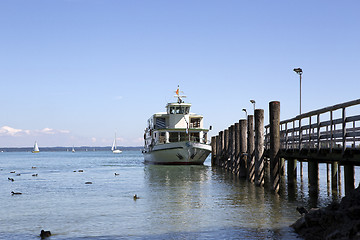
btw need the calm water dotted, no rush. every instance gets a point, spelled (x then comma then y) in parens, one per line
(176, 202)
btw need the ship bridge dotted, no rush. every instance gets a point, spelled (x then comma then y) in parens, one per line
(178, 108)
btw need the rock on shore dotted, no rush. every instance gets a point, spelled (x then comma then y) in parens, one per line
(336, 221)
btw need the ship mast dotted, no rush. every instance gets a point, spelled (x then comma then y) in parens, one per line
(178, 96)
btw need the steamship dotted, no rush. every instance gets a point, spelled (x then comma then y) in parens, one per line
(176, 136)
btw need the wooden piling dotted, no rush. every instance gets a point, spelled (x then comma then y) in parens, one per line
(292, 171)
(250, 149)
(328, 177)
(349, 176)
(282, 166)
(243, 148)
(334, 176)
(339, 178)
(259, 147)
(221, 148)
(226, 144)
(229, 150)
(313, 175)
(232, 148)
(213, 150)
(344, 135)
(217, 150)
(274, 111)
(237, 149)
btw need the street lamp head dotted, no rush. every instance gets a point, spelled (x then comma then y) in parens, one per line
(298, 71)
(246, 114)
(253, 103)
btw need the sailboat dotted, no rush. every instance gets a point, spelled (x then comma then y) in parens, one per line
(36, 148)
(113, 148)
(73, 149)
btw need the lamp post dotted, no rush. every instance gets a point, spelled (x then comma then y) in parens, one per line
(245, 112)
(253, 102)
(300, 72)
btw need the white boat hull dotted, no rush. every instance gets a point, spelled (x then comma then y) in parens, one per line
(117, 151)
(178, 153)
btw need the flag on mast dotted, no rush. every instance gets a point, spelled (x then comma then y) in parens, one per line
(178, 95)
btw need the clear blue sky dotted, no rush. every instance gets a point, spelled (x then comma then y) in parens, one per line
(74, 71)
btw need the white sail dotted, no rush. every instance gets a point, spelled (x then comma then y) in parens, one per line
(73, 149)
(36, 148)
(114, 145)
(113, 148)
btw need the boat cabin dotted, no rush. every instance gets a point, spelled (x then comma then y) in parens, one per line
(177, 124)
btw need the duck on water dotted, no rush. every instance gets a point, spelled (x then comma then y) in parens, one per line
(176, 136)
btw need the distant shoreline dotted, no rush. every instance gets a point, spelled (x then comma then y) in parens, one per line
(64, 149)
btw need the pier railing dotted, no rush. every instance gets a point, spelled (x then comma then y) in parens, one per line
(328, 128)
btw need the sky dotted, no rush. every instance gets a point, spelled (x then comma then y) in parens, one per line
(72, 72)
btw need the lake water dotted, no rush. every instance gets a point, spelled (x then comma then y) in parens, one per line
(175, 202)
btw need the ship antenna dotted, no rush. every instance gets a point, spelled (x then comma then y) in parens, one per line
(178, 96)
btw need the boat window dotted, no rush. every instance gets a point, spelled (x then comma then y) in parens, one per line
(172, 110)
(183, 136)
(178, 109)
(162, 138)
(173, 137)
(195, 137)
(187, 110)
(195, 122)
(160, 123)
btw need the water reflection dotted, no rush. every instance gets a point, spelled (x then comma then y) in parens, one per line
(177, 193)
(292, 189)
(196, 198)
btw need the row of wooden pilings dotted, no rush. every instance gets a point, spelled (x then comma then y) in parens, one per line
(240, 148)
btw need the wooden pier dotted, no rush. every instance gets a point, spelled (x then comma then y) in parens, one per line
(328, 135)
